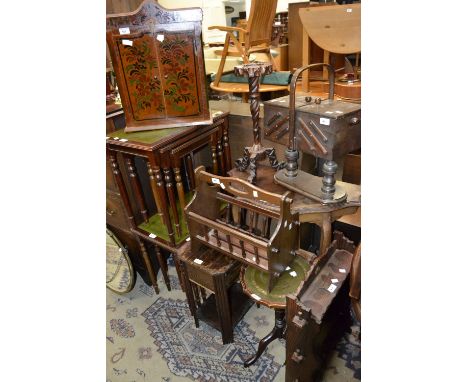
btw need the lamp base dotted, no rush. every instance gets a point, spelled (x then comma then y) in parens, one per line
(310, 186)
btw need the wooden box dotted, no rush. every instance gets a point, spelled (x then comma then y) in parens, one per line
(327, 130)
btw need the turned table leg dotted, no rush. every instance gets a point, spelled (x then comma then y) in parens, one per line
(161, 195)
(172, 199)
(136, 185)
(121, 186)
(219, 152)
(180, 187)
(149, 266)
(163, 265)
(214, 155)
(226, 149)
(154, 188)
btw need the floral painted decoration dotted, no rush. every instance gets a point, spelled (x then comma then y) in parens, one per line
(141, 69)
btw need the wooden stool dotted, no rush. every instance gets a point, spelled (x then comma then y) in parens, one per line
(255, 284)
(218, 274)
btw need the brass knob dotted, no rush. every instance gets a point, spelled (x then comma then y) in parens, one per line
(318, 101)
(354, 121)
(297, 356)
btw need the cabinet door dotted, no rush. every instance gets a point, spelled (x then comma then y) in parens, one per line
(179, 74)
(140, 78)
(157, 56)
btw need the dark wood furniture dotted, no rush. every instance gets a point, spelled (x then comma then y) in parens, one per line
(116, 215)
(352, 167)
(115, 118)
(206, 269)
(326, 129)
(318, 313)
(256, 227)
(156, 219)
(241, 234)
(309, 211)
(256, 152)
(254, 283)
(280, 29)
(157, 57)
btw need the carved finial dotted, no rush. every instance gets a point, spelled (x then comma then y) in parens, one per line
(253, 69)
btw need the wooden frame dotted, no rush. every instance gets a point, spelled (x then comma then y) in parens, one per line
(157, 56)
(256, 35)
(227, 304)
(162, 151)
(316, 315)
(271, 253)
(335, 29)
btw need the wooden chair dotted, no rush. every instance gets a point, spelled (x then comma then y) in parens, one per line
(256, 36)
(255, 227)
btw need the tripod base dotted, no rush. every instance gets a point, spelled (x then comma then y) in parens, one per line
(255, 154)
(278, 331)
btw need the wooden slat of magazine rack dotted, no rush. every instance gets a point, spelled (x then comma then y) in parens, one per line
(248, 238)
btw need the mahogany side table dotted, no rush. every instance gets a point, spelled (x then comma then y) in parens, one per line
(219, 274)
(254, 283)
(164, 151)
(116, 218)
(310, 211)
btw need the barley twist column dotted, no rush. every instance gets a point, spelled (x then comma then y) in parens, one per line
(253, 71)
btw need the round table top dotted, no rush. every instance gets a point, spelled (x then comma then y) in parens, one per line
(234, 87)
(255, 283)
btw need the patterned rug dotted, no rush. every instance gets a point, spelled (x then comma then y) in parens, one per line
(152, 338)
(198, 353)
(350, 350)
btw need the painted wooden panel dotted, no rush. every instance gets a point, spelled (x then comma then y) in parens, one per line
(158, 61)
